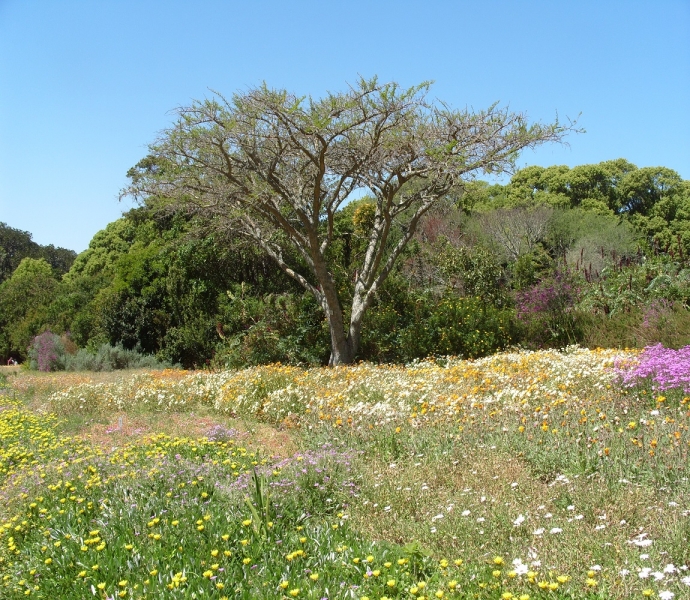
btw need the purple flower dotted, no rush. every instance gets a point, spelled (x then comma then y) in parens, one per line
(665, 368)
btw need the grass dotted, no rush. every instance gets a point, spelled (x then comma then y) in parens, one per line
(528, 475)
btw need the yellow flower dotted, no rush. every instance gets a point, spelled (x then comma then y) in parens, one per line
(314, 576)
(123, 583)
(496, 573)
(591, 582)
(247, 522)
(498, 560)
(283, 584)
(294, 592)
(101, 586)
(390, 583)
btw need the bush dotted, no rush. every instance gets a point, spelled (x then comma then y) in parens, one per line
(51, 352)
(659, 321)
(47, 352)
(547, 312)
(112, 358)
(285, 328)
(467, 327)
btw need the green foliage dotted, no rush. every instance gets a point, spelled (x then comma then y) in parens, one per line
(623, 287)
(287, 328)
(15, 245)
(658, 322)
(584, 235)
(259, 504)
(473, 271)
(424, 325)
(170, 285)
(24, 299)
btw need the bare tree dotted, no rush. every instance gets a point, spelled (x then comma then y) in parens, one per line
(276, 167)
(517, 230)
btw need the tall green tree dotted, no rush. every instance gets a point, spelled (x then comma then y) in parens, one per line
(24, 298)
(277, 167)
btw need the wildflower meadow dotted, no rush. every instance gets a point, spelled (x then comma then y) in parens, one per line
(523, 475)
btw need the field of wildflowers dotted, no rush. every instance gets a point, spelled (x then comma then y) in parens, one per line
(521, 475)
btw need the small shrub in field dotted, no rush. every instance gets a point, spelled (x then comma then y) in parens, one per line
(112, 358)
(47, 352)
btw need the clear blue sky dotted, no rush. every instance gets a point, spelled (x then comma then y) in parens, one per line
(86, 85)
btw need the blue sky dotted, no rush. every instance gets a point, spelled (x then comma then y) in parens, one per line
(86, 85)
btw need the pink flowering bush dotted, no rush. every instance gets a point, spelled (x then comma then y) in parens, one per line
(665, 368)
(47, 352)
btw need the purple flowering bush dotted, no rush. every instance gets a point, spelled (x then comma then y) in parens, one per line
(47, 352)
(547, 311)
(664, 368)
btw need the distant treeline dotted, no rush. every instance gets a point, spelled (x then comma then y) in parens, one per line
(596, 255)
(16, 245)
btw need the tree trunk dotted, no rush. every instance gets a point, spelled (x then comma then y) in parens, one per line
(342, 352)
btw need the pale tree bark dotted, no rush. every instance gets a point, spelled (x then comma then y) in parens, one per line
(277, 168)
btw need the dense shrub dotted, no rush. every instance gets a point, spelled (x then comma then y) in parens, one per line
(547, 312)
(47, 352)
(51, 352)
(467, 327)
(286, 328)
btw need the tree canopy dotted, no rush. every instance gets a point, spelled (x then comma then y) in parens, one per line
(276, 167)
(16, 245)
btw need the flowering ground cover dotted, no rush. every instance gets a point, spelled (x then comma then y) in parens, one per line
(521, 475)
